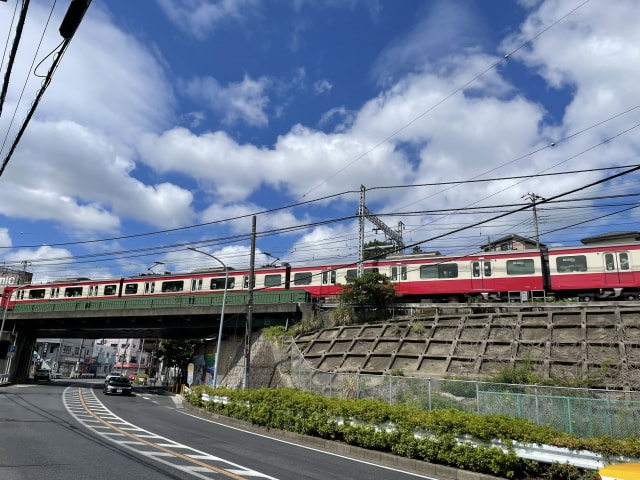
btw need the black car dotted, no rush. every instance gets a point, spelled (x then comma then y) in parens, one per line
(117, 386)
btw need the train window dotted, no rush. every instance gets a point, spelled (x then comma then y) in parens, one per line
(520, 267)
(329, 276)
(353, 272)
(130, 288)
(146, 288)
(302, 278)
(475, 269)
(173, 286)
(428, 271)
(55, 292)
(394, 273)
(487, 269)
(73, 292)
(38, 293)
(272, 280)
(444, 270)
(218, 283)
(448, 270)
(199, 284)
(573, 263)
(624, 261)
(110, 289)
(246, 281)
(609, 263)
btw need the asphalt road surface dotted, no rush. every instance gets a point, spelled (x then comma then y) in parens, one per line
(69, 429)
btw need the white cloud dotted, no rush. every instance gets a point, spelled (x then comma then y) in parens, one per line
(200, 17)
(243, 101)
(322, 86)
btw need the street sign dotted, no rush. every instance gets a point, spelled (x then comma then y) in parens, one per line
(12, 349)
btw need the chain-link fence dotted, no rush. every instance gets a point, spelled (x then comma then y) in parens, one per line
(582, 412)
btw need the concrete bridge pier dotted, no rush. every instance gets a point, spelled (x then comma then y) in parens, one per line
(22, 358)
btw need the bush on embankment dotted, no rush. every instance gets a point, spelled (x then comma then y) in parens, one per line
(377, 425)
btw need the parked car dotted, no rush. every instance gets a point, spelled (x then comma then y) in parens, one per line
(117, 386)
(132, 377)
(42, 374)
(620, 471)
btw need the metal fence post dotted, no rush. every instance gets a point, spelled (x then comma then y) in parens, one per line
(537, 407)
(429, 390)
(477, 397)
(609, 412)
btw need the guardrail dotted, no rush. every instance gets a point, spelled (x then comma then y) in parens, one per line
(186, 300)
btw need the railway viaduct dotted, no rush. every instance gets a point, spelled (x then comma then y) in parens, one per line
(568, 341)
(21, 329)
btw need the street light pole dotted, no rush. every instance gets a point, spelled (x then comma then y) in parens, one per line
(224, 301)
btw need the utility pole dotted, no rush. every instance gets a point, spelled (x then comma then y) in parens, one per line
(248, 328)
(533, 198)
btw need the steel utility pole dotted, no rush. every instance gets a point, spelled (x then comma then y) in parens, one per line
(247, 335)
(533, 198)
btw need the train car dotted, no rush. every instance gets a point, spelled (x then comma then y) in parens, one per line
(587, 272)
(499, 276)
(595, 272)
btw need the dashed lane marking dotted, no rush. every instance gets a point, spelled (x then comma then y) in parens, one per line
(85, 407)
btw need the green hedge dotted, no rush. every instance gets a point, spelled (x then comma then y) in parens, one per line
(363, 423)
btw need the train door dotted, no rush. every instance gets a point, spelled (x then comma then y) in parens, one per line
(617, 268)
(196, 285)
(481, 271)
(398, 274)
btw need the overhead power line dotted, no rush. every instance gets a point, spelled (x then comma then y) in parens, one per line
(68, 27)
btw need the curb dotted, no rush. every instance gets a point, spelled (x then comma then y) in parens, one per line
(340, 448)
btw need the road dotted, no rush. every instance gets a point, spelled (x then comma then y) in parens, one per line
(69, 429)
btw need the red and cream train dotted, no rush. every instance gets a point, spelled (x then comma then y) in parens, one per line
(593, 272)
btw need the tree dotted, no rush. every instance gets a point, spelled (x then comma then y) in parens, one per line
(371, 289)
(417, 249)
(376, 249)
(178, 353)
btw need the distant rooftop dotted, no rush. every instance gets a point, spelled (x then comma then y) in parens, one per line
(613, 237)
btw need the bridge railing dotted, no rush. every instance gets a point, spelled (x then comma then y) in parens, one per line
(582, 412)
(165, 301)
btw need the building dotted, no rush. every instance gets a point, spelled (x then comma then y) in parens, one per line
(612, 237)
(511, 242)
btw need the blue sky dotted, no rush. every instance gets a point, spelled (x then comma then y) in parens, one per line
(170, 123)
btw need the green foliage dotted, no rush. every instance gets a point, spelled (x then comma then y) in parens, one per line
(343, 315)
(371, 289)
(376, 249)
(307, 325)
(278, 334)
(460, 388)
(377, 425)
(178, 352)
(418, 328)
